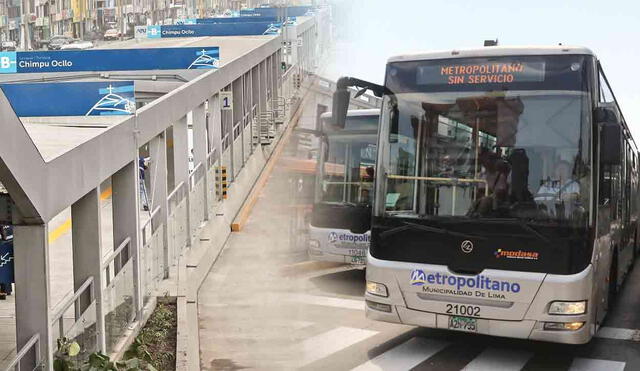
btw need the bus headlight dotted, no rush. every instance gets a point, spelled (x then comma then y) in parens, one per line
(562, 326)
(568, 307)
(314, 244)
(377, 289)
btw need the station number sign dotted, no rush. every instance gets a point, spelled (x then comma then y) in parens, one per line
(226, 100)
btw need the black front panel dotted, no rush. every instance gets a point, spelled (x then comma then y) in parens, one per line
(474, 245)
(357, 219)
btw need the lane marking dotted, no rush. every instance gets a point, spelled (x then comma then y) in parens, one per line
(405, 356)
(618, 333)
(66, 226)
(587, 364)
(499, 359)
(327, 343)
(328, 301)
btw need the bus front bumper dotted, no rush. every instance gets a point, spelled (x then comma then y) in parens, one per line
(525, 329)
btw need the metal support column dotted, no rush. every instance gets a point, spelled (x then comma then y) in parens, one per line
(181, 164)
(200, 149)
(126, 220)
(31, 264)
(215, 131)
(86, 238)
(158, 190)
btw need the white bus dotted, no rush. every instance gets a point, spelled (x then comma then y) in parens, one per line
(340, 219)
(506, 196)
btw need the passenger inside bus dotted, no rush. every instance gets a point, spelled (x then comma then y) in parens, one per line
(561, 189)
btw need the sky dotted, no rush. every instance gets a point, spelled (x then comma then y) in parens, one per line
(370, 31)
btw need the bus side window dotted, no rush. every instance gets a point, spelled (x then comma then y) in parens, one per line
(606, 96)
(609, 174)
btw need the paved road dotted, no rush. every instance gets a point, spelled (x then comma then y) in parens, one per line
(264, 307)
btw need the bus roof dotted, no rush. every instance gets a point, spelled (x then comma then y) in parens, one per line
(493, 51)
(356, 113)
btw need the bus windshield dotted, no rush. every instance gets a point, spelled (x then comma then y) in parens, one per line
(348, 163)
(487, 138)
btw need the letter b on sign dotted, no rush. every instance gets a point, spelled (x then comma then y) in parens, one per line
(8, 62)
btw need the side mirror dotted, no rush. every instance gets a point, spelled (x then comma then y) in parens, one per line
(610, 143)
(340, 106)
(605, 114)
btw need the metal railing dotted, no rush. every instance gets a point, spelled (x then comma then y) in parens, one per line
(151, 255)
(226, 142)
(150, 226)
(84, 327)
(176, 196)
(119, 294)
(122, 258)
(61, 309)
(236, 129)
(196, 175)
(33, 343)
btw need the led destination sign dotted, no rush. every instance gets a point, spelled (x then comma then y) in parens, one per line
(481, 73)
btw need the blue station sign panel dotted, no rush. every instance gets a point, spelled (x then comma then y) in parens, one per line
(6, 261)
(110, 60)
(207, 29)
(95, 98)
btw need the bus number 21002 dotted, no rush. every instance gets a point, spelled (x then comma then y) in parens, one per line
(463, 310)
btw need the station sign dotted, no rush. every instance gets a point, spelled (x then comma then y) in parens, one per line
(94, 98)
(226, 100)
(110, 60)
(206, 30)
(140, 32)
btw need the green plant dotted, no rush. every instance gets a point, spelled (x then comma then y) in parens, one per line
(155, 344)
(68, 350)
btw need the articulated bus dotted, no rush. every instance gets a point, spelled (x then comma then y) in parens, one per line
(340, 219)
(506, 193)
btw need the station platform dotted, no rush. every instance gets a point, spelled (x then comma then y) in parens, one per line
(60, 165)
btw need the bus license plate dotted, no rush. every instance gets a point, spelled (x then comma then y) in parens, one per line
(463, 324)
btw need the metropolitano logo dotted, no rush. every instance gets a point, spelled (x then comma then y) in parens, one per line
(8, 62)
(333, 237)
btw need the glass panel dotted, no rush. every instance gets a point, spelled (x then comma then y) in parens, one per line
(460, 148)
(226, 162)
(118, 306)
(84, 333)
(179, 232)
(152, 262)
(237, 151)
(196, 202)
(348, 169)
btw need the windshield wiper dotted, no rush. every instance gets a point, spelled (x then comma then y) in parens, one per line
(408, 226)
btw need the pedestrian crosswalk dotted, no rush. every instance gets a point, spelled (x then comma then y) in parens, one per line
(323, 345)
(587, 364)
(405, 356)
(417, 352)
(499, 359)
